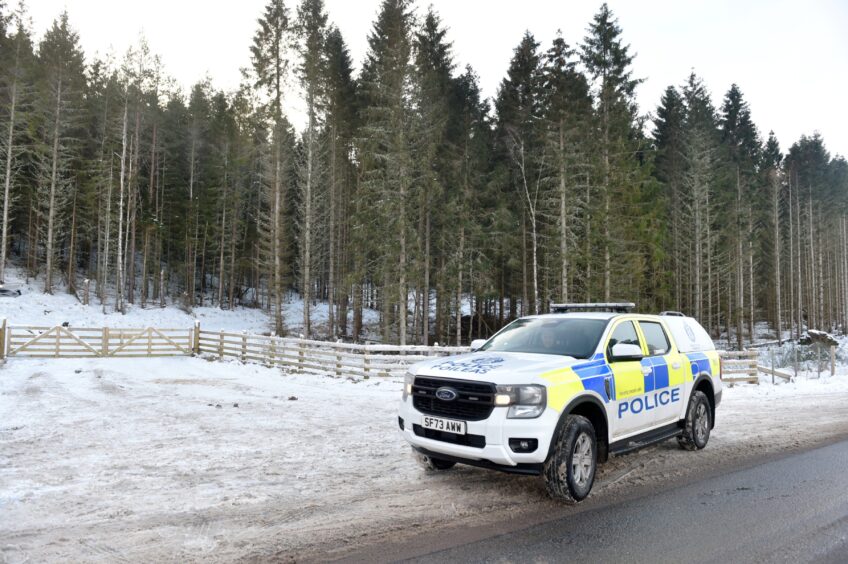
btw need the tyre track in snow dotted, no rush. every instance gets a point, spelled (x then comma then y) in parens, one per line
(141, 464)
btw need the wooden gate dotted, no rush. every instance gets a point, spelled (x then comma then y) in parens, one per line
(68, 342)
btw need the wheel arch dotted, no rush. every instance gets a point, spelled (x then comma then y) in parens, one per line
(592, 408)
(704, 383)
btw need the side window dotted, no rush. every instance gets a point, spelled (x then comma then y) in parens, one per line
(655, 338)
(624, 333)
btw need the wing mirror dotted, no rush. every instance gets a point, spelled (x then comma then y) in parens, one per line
(625, 351)
(477, 344)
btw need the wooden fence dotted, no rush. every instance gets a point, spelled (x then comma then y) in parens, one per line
(323, 357)
(302, 355)
(739, 366)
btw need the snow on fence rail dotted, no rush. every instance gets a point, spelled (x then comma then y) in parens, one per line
(303, 355)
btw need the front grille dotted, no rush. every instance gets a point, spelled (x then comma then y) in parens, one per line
(477, 441)
(474, 402)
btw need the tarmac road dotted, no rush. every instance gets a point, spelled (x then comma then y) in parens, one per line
(780, 509)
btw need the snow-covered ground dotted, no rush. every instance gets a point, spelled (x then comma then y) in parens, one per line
(183, 459)
(35, 307)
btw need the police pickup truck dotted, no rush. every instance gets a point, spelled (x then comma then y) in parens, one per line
(555, 394)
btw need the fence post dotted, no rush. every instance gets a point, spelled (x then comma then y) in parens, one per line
(243, 344)
(338, 363)
(365, 361)
(195, 346)
(2, 338)
(300, 355)
(272, 350)
(832, 361)
(104, 342)
(87, 283)
(221, 345)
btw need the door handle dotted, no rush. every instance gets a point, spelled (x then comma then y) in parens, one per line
(646, 370)
(675, 365)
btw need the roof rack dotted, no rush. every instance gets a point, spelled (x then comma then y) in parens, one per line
(673, 313)
(612, 307)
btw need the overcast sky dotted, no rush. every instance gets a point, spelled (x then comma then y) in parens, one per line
(790, 58)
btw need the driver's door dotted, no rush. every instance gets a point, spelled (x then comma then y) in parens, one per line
(631, 413)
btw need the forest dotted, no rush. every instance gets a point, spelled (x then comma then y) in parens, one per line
(405, 190)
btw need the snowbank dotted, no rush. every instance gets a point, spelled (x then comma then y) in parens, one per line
(35, 307)
(186, 460)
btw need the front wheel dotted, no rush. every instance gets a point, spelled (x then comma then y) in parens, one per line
(697, 424)
(570, 469)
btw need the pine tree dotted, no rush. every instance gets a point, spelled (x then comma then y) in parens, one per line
(568, 115)
(312, 31)
(669, 169)
(270, 56)
(436, 170)
(340, 125)
(607, 60)
(700, 157)
(741, 140)
(15, 80)
(519, 109)
(61, 82)
(771, 161)
(386, 164)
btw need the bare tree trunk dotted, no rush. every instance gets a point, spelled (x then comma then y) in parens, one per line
(775, 209)
(425, 309)
(119, 283)
(331, 244)
(51, 213)
(71, 247)
(461, 258)
(403, 291)
(9, 157)
(277, 281)
(563, 218)
(145, 250)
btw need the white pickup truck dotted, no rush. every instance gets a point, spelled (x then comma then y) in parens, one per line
(555, 394)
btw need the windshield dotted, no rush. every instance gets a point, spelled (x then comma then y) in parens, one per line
(545, 335)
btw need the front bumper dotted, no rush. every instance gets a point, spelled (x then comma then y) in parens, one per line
(496, 430)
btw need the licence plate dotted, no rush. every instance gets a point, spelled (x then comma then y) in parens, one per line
(446, 425)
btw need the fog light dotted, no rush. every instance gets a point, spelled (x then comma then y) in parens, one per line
(400, 423)
(523, 445)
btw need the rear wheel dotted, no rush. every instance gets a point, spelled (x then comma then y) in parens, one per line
(697, 424)
(431, 464)
(569, 471)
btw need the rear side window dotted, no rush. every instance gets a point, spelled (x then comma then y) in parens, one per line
(655, 338)
(624, 333)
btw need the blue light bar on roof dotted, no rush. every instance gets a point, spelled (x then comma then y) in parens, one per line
(612, 307)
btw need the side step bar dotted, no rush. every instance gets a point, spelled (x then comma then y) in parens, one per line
(646, 439)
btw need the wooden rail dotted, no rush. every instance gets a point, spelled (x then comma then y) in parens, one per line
(739, 366)
(318, 356)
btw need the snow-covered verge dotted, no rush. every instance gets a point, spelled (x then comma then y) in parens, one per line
(182, 459)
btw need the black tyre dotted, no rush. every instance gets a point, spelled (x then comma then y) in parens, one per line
(569, 471)
(431, 464)
(697, 424)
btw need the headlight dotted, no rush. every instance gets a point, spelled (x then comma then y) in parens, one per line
(525, 402)
(408, 379)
